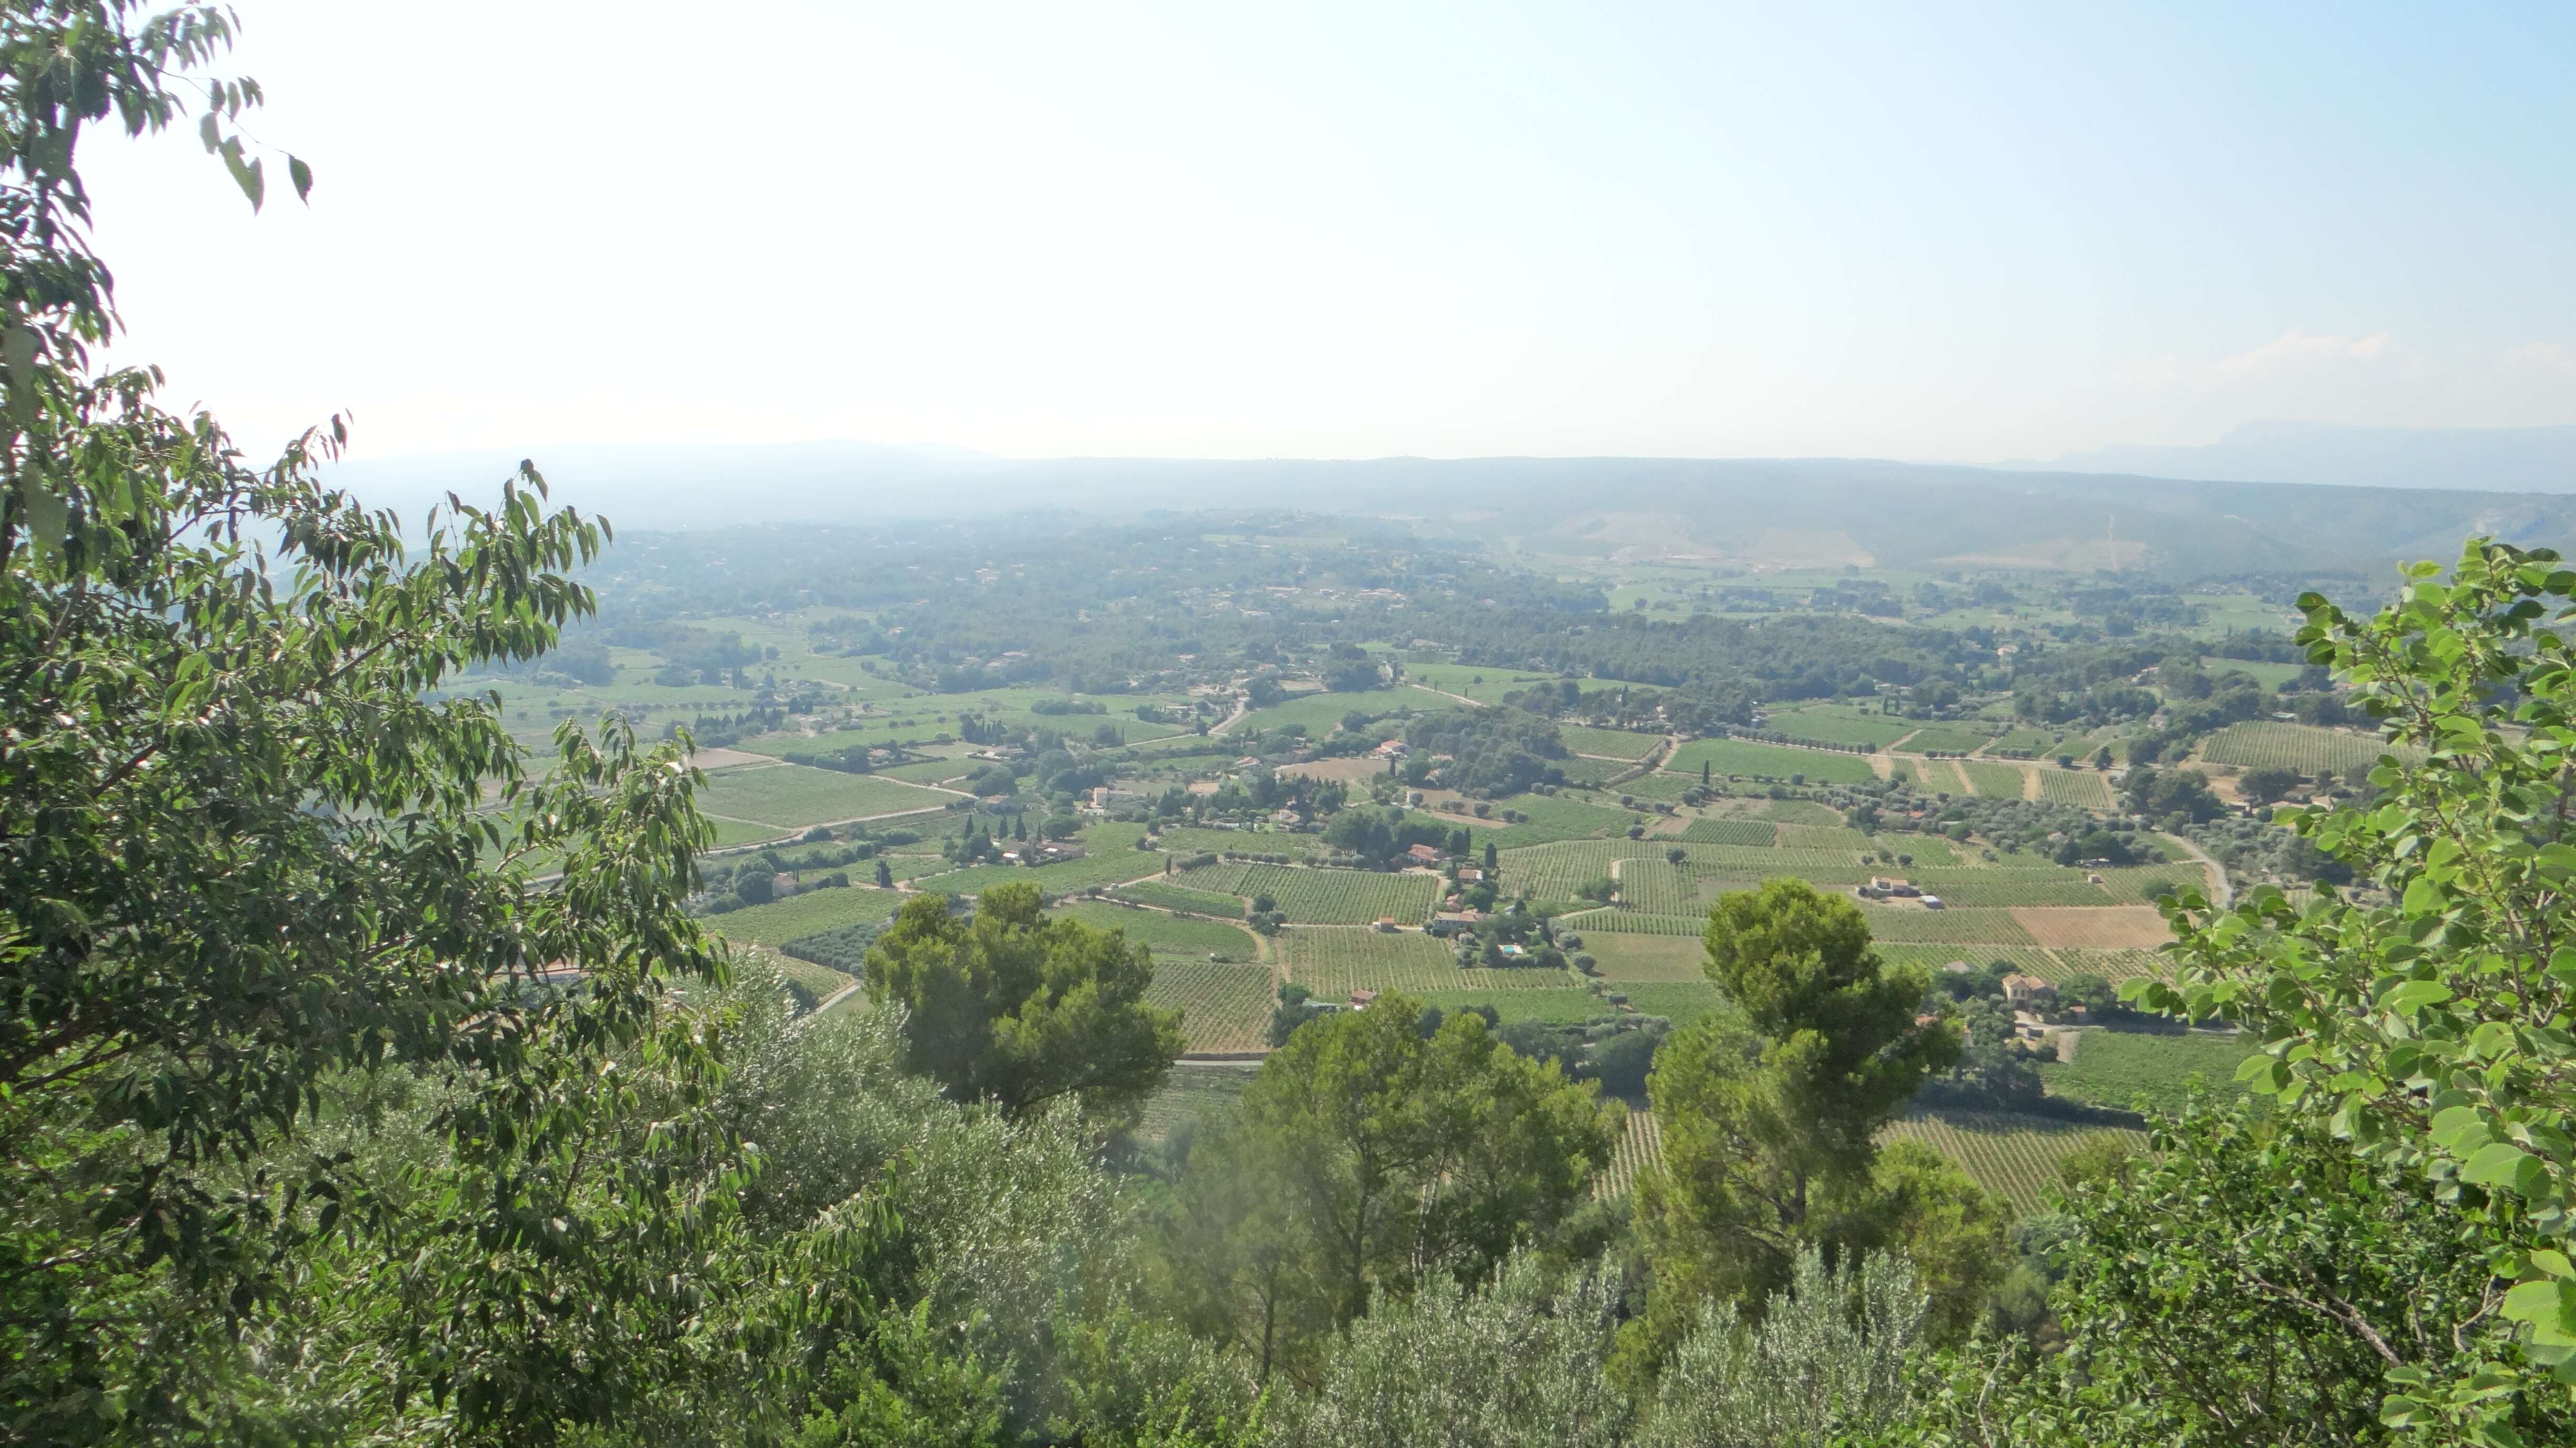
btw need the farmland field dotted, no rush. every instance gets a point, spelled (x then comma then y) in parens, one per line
(1639, 1146)
(1342, 897)
(1555, 871)
(2137, 885)
(1190, 1092)
(1631, 922)
(1181, 897)
(1635, 958)
(1973, 887)
(1580, 772)
(2027, 958)
(1474, 681)
(1840, 726)
(1614, 743)
(2108, 927)
(810, 913)
(1770, 761)
(1107, 866)
(2011, 1155)
(1947, 738)
(2075, 786)
(1225, 1008)
(2116, 1068)
(1840, 838)
(2111, 965)
(1949, 927)
(791, 795)
(1658, 785)
(1321, 714)
(1994, 781)
(1167, 933)
(929, 771)
(2273, 744)
(1753, 834)
(1562, 1005)
(1800, 812)
(1334, 962)
(1551, 818)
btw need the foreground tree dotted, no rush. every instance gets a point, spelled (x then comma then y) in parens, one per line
(1770, 1110)
(1013, 1007)
(1367, 1157)
(241, 856)
(2428, 1021)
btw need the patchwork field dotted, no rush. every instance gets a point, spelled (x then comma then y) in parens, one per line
(1648, 958)
(1167, 934)
(1334, 962)
(2123, 1069)
(810, 913)
(1182, 897)
(1225, 1009)
(1324, 897)
(2075, 786)
(1610, 743)
(2275, 744)
(2107, 927)
(2014, 1156)
(1769, 761)
(792, 796)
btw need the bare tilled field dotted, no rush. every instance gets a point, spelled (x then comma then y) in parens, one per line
(1345, 770)
(2099, 927)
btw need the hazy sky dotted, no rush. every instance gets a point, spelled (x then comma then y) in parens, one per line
(1348, 230)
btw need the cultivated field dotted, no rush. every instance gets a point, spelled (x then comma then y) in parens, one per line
(2274, 744)
(1167, 934)
(1648, 958)
(1752, 834)
(791, 796)
(2107, 927)
(1947, 738)
(1190, 1093)
(2011, 1155)
(1325, 897)
(2075, 786)
(1639, 1145)
(2014, 1156)
(1181, 897)
(1224, 1008)
(1996, 781)
(2124, 1069)
(1840, 726)
(1332, 962)
(810, 913)
(1610, 743)
(1769, 761)
(1949, 927)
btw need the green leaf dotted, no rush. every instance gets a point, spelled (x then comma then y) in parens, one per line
(2414, 995)
(2497, 1164)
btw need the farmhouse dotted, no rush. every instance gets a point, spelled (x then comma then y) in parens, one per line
(1424, 855)
(1451, 922)
(2028, 990)
(1393, 749)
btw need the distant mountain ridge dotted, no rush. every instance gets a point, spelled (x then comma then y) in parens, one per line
(1756, 513)
(2500, 459)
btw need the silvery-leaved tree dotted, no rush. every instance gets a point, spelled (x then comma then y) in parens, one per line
(245, 852)
(2426, 1018)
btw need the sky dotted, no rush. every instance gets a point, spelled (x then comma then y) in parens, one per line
(1966, 233)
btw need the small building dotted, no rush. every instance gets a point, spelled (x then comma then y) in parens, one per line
(1385, 925)
(1425, 855)
(1451, 922)
(2025, 991)
(1393, 749)
(1933, 902)
(1470, 875)
(1362, 998)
